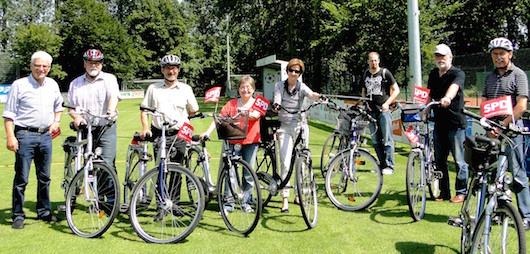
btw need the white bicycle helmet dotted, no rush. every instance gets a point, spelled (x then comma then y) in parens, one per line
(502, 43)
(172, 60)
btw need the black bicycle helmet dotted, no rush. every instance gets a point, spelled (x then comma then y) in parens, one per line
(93, 55)
(171, 60)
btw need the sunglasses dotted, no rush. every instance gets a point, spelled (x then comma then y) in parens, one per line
(295, 71)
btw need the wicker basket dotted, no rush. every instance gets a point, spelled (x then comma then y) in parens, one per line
(231, 128)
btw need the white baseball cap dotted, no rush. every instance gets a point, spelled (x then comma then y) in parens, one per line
(443, 49)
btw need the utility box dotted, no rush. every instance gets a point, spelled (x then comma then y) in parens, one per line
(273, 71)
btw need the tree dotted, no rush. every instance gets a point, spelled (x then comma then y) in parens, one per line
(87, 23)
(34, 37)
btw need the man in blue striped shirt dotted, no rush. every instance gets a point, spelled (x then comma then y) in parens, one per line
(32, 112)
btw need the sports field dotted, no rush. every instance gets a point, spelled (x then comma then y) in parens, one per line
(385, 227)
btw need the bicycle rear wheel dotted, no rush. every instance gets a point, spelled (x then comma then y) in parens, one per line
(332, 146)
(353, 192)
(194, 162)
(239, 197)
(264, 169)
(506, 235)
(168, 215)
(416, 189)
(132, 172)
(306, 187)
(92, 203)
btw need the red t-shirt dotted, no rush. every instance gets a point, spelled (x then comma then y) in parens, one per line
(253, 132)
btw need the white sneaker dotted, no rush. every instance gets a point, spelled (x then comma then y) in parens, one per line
(388, 171)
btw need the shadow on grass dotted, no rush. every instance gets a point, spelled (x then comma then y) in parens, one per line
(415, 247)
(397, 210)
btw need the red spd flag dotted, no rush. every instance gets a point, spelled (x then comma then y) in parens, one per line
(261, 104)
(497, 107)
(212, 94)
(56, 133)
(185, 132)
(421, 95)
(411, 136)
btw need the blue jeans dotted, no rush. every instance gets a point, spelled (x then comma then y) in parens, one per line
(107, 142)
(445, 141)
(520, 184)
(382, 139)
(37, 147)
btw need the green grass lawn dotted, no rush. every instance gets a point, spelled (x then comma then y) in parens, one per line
(385, 227)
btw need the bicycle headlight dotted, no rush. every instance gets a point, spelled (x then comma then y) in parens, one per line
(237, 148)
(98, 151)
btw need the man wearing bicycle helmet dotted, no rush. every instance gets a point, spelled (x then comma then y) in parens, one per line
(508, 79)
(173, 98)
(447, 86)
(98, 92)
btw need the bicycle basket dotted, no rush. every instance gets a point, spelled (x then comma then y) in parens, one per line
(480, 150)
(267, 127)
(411, 114)
(231, 128)
(344, 122)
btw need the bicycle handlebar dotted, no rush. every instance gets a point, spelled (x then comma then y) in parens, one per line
(280, 107)
(491, 125)
(355, 108)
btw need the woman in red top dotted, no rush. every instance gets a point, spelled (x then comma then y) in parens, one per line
(250, 144)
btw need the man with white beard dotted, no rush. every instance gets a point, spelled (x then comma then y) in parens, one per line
(98, 92)
(446, 83)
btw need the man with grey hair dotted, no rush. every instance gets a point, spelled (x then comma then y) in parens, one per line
(446, 83)
(32, 113)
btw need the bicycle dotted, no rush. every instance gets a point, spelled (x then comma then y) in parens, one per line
(301, 162)
(499, 228)
(353, 178)
(157, 210)
(338, 140)
(92, 195)
(421, 167)
(136, 161)
(237, 190)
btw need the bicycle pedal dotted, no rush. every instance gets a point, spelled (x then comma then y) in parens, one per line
(455, 222)
(124, 208)
(61, 208)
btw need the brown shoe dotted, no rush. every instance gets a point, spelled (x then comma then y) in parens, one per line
(440, 199)
(457, 199)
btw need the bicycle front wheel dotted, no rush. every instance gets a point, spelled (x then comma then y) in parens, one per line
(415, 185)
(239, 197)
(354, 189)
(166, 211)
(506, 234)
(435, 176)
(332, 146)
(92, 202)
(307, 190)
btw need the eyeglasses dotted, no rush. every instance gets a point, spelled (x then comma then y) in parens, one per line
(295, 71)
(38, 66)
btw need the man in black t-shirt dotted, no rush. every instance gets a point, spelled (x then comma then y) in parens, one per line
(378, 84)
(446, 83)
